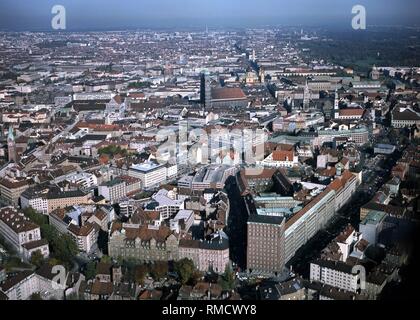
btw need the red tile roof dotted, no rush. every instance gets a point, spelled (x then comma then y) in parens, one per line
(227, 94)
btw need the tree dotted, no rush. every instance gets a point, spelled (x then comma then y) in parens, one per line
(185, 269)
(141, 272)
(37, 259)
(106, 259)
(227, 280)
(64, 248)
(159, 269)
(35, 216)
(35, 296)
(90, 272)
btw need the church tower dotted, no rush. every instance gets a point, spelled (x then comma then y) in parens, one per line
(306, 96)
(374, 74)
(11, 145)
(336, 105)
(262, 75)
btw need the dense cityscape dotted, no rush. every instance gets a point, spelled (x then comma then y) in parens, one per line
(211, 164)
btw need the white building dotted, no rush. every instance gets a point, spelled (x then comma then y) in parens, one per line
(372, 225)
(283, 157)
(303, 225)
(167, 204)
(113, 191)
(150, 174)
(404, 116)
(183, 220)
(336, 274)
(26, 283)
(19, 231)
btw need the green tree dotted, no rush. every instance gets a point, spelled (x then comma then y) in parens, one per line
(185, 269)
(90, 272)
(227, 280)
(112, 150)
(35, 216)
(37, 259)
(106, 259)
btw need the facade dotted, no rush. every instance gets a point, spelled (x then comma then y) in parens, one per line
(280, 158)
(206, 255)
(150, 174)
(85, 236)
(143, 243)
(47, 199)
(132, 185)
(166, 203)
(315, 215)
(403, 116)
(66, 198)
(19, 231)
(360, 136)
(372, 225)
(308, 221)
(349, 114)
(10, 190)
(26, 283)
(113, 191)
(336, 274)
(265, 250)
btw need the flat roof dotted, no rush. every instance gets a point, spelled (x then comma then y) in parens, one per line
(373, 217)
(146, 167)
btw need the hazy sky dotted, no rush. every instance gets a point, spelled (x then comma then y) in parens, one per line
(113, 14)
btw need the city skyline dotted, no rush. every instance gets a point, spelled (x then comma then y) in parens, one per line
(115, 15)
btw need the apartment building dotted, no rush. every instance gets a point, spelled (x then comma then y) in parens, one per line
(19, 231)
(11, 189)
(150, 174)
(314, 216)
(206, 254)
(83, 231)
(166, 203)
(26, 283)
(113, 191)
(49, 198)
(85, 236)
(132, 185)
(336, 274)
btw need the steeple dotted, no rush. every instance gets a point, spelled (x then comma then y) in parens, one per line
(10, 136)
(11, 146)
(306, 96)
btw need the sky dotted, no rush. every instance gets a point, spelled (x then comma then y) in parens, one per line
(35, 15)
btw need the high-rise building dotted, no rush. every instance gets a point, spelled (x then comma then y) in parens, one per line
(205, 90)
(265, 251)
